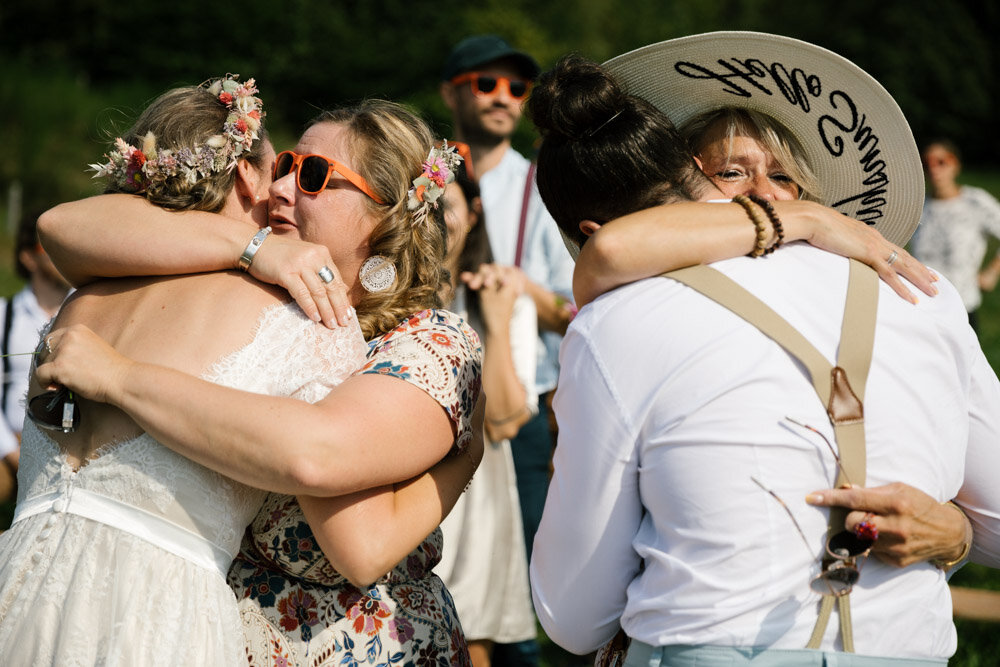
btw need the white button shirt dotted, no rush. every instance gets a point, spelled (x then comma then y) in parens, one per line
(545, 259)
(668, 404)
(28, 320)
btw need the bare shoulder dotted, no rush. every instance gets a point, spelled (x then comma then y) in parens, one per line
(185, 322)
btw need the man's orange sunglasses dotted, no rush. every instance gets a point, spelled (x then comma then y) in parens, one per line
(487, 85)
(313, 173)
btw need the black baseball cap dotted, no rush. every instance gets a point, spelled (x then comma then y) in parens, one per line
(478, 50)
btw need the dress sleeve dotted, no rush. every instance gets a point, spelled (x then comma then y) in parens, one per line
(438, 352)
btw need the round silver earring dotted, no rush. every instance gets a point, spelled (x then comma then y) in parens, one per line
(377, 274)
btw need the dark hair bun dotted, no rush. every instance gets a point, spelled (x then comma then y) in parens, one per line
(573, 98)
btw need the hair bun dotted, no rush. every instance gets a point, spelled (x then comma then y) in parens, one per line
(573, 98)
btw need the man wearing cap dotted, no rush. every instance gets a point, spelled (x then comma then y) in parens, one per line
(484, 82)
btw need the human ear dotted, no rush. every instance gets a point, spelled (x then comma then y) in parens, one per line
(27, 258)
(246, 180)
(449, 95)
(475, 211)
(588, 227)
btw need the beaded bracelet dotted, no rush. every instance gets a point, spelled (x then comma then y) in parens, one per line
(966, 548)
(779, 231)
(760, 244)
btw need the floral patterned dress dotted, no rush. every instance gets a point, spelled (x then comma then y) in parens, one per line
(296, 608)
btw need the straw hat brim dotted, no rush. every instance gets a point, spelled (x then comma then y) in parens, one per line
(854, 135)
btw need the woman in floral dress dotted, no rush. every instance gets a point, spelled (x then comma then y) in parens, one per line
(312, 576)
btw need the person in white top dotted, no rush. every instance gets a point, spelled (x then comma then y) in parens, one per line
(484, 82)
(483, 561)
(24, 315)
(956, 223)
(670, 406)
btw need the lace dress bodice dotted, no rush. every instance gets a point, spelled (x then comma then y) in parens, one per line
(94, 532)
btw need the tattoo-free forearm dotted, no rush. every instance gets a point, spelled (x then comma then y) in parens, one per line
(364, 535)
(283, 444)
(124, 235)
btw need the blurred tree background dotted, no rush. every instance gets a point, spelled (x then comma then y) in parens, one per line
(75, 74)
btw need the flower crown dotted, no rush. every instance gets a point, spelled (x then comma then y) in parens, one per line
(438, 171)
(134, 169)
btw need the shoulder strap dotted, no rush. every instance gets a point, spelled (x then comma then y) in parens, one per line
(843, 399)
(525, 200)
(5, 351)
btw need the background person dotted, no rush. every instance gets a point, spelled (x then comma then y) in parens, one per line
(23, 316)
(483, 561)
(678, 531)
(955, 225)
(484, 82)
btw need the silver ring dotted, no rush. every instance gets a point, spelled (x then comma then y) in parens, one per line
(326, 275)
(892, 257)
(48, 346)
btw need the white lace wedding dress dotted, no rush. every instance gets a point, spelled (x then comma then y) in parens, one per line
(123, 562)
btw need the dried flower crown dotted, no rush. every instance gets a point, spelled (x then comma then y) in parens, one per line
(438, 172)
(134, 169)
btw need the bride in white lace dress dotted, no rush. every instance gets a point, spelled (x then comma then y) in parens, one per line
(119, 548)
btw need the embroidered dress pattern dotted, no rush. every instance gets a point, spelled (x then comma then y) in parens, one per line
(296, 608)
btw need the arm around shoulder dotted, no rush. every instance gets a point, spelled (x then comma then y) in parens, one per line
(123, 235)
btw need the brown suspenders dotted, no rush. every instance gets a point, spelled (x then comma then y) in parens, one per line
(842, 398)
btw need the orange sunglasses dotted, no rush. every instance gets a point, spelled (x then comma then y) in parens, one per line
(484, 85)
(313, 172)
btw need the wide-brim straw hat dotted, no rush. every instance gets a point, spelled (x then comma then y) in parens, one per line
(854, 135)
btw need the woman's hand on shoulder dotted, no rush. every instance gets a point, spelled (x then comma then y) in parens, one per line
(835, 232)
(295, 265)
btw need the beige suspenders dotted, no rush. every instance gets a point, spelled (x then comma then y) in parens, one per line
(843, 400)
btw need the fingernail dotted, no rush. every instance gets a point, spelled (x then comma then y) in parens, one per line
(350, 313)
(814, 498)
(315, 317)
